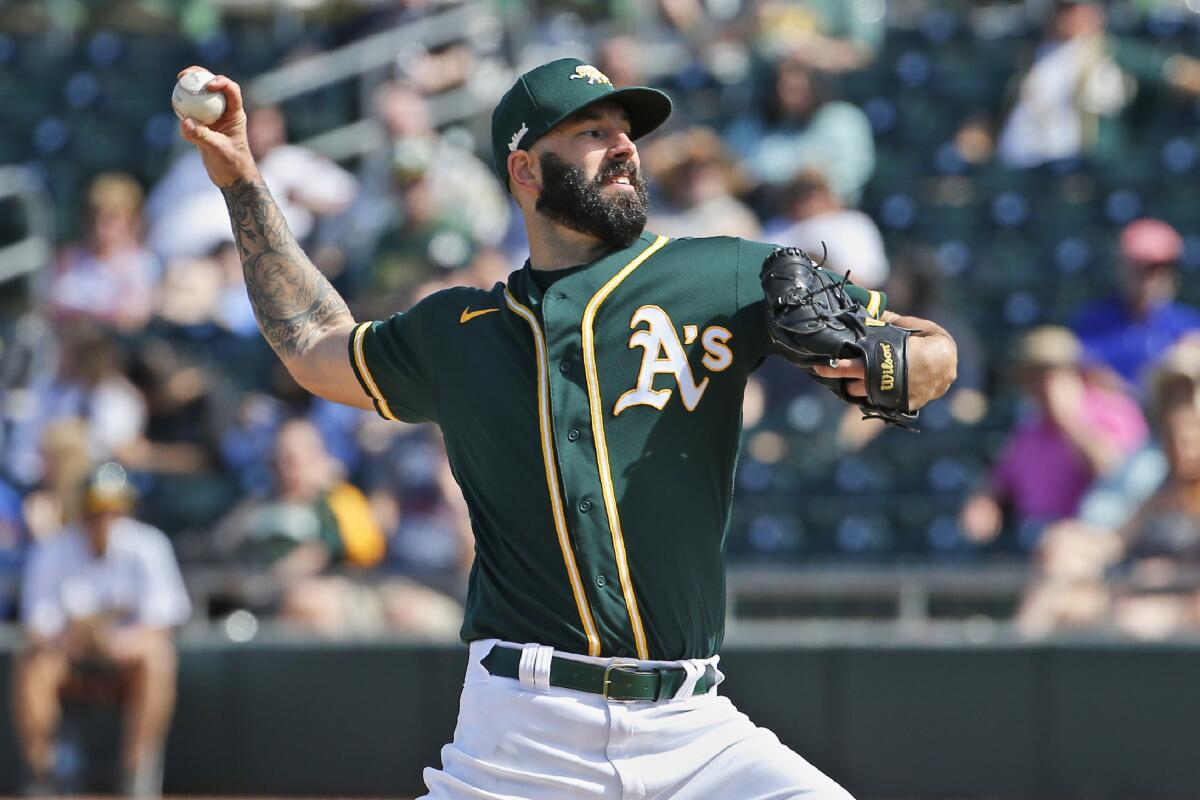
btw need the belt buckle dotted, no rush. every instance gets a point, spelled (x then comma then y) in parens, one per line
(628, 667)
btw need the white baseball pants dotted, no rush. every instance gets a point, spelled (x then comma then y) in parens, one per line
(526, 740)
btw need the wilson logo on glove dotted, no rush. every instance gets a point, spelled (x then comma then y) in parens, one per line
(887, 368)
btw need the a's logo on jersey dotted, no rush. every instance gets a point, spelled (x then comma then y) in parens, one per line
(663, 354)
(592, 75)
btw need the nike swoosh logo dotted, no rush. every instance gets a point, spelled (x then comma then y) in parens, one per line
(468, 314)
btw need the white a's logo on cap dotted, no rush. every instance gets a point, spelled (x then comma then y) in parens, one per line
(592, 75)
(517, 137)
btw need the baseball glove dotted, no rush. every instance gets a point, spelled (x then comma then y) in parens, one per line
(813, 321)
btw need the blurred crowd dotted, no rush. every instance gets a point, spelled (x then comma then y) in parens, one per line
(140, 347)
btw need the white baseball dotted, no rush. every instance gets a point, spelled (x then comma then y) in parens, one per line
(191, 99)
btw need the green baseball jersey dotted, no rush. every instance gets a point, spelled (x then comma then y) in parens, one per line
(594, 431)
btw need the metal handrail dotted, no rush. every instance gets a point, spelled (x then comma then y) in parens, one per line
(374, 54)
(34, 251)
(370, 53)
(834, 582)
(861, 580)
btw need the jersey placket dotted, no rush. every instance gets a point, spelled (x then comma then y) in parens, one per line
(562, 310)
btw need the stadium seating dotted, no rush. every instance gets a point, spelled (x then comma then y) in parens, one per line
(1025, 247)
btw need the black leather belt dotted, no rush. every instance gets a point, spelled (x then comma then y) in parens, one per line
(623, 683)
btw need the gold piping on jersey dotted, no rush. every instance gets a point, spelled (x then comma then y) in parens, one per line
(873, 304)
(560, 521)
(597, 412)
(368, 379)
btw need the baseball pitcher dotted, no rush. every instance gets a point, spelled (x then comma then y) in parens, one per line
(591, 408)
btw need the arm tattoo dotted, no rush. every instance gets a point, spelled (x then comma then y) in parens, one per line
(292, 300)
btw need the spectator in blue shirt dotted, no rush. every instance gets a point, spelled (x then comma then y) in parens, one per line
(1130, 330)
(12, 546)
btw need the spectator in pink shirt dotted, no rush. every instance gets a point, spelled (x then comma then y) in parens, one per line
(110, 276)
(1080, 430)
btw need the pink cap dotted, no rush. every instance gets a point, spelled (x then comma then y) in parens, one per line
(1150, 241)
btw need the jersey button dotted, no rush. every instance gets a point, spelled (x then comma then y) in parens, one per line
(601, 581)
(572, 435)
(585, 506)
(564, 366)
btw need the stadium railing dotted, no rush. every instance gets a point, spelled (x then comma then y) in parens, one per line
(367, 62)
(24, 199)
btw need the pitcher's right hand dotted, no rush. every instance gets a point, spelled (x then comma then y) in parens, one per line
(223, 145)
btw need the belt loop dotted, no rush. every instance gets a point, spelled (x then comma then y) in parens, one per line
(534, 669)
(694, 671)
(541, 668)
(525, 667)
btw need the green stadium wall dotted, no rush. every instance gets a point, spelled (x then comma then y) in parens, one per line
(1088, 721)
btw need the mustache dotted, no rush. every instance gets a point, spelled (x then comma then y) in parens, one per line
(618, 169)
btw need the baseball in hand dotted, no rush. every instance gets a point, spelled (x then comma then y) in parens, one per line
(191, 99)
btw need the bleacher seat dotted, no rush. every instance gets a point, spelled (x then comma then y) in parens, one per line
(1023, 246)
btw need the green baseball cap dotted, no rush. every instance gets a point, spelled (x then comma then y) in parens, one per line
(546, 95)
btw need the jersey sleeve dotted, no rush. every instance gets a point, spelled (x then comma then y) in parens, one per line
(751, 256)
(393, 360)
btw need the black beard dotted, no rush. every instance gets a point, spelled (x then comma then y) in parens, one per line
(571, 200)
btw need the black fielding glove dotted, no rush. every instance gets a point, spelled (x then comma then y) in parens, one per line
(813, 322)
